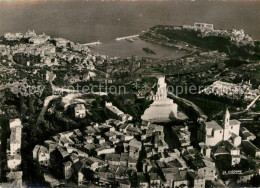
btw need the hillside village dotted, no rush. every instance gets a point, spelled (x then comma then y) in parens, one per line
(56, 132)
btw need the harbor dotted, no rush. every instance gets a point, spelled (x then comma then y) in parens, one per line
(124, 48)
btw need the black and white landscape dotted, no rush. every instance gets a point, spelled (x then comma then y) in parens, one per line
(129, 93)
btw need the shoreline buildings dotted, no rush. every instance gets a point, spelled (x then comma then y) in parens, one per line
(162, 109)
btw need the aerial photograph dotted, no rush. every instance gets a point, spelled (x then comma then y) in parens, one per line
(129, 93)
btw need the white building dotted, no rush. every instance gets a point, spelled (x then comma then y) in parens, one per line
(101, 151)
(41, 154)
(234, 152)
(127, 137)
(163, 108)
(231, 129)
(14, 157)
(212, 133)
(39, 39)
(35, 151)
(16, 136)
(60, 42)
(80, 111)
(15, 178)
(13, 36)
(209, 171)
(246, 134)
(205, 150)
(13, 161)
(203, 26)
(116, 113)
(134, 148)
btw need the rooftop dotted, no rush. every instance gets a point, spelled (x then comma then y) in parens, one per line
(213, 124)
(234, 122)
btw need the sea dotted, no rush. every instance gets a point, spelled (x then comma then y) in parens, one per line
(89, 21)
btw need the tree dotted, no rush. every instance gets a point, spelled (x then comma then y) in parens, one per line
(142, 156)
(134, 180)
(119, 148)
(56, 163)
(31, 105)
(94, 104)
(23, 107)
(255, 181)
(88, 174)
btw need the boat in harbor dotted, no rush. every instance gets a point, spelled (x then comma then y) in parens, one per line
(148, 50)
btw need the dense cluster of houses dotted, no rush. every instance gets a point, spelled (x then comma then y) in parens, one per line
(182, 135)
(59, 53)
(237, 36)
(41, 51)
(123, 154)
(118, 152)
(95, 148)
(228, 139)
(232, 91)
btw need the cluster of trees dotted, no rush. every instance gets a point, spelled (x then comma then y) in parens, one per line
(14, 42)
(21, 58)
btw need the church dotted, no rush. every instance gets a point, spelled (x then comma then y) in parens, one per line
(162, 109)
(211, 133)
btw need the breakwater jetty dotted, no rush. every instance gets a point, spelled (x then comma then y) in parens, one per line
(127, 37)
(92, 43)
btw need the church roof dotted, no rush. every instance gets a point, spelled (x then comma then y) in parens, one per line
(234, 122)
(214, 125)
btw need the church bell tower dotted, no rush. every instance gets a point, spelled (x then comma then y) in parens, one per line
(226, 125)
